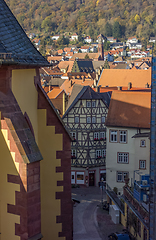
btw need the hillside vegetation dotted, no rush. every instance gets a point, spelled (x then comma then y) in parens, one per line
(118, 18)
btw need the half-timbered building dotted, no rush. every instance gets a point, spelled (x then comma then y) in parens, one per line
(85, 119)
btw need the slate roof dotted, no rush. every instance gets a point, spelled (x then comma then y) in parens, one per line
(84, 65)
(88, 93)
(15, 46)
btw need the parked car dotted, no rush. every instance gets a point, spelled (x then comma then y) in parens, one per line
(119, 236)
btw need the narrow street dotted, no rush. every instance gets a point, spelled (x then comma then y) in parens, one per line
(84, 213)
(90, 222)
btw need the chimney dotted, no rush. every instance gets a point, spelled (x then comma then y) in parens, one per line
(83, 79)
(129, 85)
(95, 82)
(146, 85)
(98, 89)
(119, 88)
(50, 88)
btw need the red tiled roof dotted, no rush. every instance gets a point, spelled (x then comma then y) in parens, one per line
(129, 109)
(121, 77)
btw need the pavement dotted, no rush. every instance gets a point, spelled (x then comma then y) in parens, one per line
(90, 221)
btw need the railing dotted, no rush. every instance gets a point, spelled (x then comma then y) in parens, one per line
(115, 198)
(144, 214)
(5, 56)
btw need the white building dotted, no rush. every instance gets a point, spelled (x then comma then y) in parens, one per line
(88, 39)
(128, 144)
(56, 37)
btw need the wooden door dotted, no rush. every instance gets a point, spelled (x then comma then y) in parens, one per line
(91, 179)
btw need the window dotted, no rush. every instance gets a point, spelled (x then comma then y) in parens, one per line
(76, 119)
(98, 153)
(88, 104)
(93, 119)
(73, 153)
(142, 143)
(123, 137)
(113, 136)
(102, 119)
(93, 103)
(121, 176)
(123, 157)
(73, 135)
(96, 136)
(80, 177)
(102, 135)
(88, 119)
(103, 152)
(142, 164)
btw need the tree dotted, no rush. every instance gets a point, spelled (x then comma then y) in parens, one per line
(106, 65)
(137, 18)
(106, 45)
(108, 29)
(63, 40)
(86, 56)
(117, 30)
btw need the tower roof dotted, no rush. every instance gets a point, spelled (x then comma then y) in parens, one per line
(15, 46)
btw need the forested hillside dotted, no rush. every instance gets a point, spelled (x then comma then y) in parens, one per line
(120, 18)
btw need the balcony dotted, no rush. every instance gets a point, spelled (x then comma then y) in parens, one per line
(138, 208)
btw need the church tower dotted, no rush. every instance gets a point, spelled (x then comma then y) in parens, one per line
(100, 47)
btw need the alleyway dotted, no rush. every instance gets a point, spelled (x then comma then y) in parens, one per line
(90, 222)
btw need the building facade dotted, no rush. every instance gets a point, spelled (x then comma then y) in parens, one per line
(128, 143)
(85, 119)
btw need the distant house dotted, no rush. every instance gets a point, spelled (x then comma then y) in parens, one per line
(111, 39)
(152, 39)
(36, 41)
(74, 37)
(85, 49)
(55, 59)
(88, 39)
(56, 37)
(108, 56)
(103, 38)
(68, 49)
(32, 35)
(117, 45)
(131, 40)
(135, 45)
(69, 55)
(60, 51)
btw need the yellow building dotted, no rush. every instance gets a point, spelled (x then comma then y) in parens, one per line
(35, 185)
